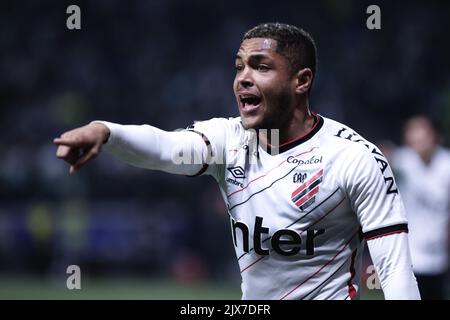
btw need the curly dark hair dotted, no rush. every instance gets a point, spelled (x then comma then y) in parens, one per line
(294, 43)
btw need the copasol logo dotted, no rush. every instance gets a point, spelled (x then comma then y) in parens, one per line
(312, 160)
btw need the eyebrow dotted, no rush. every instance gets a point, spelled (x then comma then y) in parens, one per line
(257, 56)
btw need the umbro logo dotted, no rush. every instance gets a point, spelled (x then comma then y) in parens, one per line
(237, 172)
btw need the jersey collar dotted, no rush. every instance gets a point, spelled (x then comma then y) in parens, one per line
(318, 123)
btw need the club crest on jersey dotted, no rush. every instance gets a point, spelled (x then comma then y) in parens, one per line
(305, 195)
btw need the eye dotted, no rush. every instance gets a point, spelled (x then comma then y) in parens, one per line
(263, 67)
(239, 67)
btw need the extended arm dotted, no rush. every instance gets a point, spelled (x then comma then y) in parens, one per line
(144, 146)
(179, 152)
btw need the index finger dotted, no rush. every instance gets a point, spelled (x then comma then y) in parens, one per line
(70, 142)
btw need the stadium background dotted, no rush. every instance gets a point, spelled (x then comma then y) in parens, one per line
(142, 234)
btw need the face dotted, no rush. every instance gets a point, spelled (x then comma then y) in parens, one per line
(264, 86)
(420, 136)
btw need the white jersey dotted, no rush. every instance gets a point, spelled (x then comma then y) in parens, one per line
(299, 217)
(426, 193)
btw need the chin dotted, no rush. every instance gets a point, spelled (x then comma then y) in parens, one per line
(251, 122)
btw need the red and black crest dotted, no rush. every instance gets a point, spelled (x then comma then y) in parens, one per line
(305, 195)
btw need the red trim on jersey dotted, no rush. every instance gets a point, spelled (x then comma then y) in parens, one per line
(387, 234)
(315, 273)
(385, 231)
(265, 174)
(351, 288)
(307, 183)
(253, 263)
(323, 216)
(316, 121)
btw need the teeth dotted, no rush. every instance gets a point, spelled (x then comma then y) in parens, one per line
(250, 99)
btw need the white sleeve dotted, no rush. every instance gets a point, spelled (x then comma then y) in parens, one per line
(369, 183)
(392, 259)
(144, 146)
(219, 132)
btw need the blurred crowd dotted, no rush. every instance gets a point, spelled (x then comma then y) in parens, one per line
(169, 63)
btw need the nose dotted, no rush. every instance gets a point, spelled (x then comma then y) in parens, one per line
(244, 78)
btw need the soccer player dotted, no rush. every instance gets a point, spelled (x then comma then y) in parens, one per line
(423, 169)
(303, 192)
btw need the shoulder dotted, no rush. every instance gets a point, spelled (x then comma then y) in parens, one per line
(343, 140)
(222, 132)
(443, 154)
(442, 162)
(354, 158)
(218, 124)
(403, 155)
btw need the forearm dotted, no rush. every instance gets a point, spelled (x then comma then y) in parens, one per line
(391, 257)
(145, 146)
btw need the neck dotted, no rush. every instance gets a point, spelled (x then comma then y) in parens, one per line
(299, 125)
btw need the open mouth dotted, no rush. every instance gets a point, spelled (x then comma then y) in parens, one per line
(249, 102)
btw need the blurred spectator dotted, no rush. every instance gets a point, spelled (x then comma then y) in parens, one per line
(423, 174)
(39, 225)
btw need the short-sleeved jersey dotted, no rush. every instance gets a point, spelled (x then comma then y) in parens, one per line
(299, 213)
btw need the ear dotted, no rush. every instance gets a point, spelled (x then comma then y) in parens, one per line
(304, 78)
